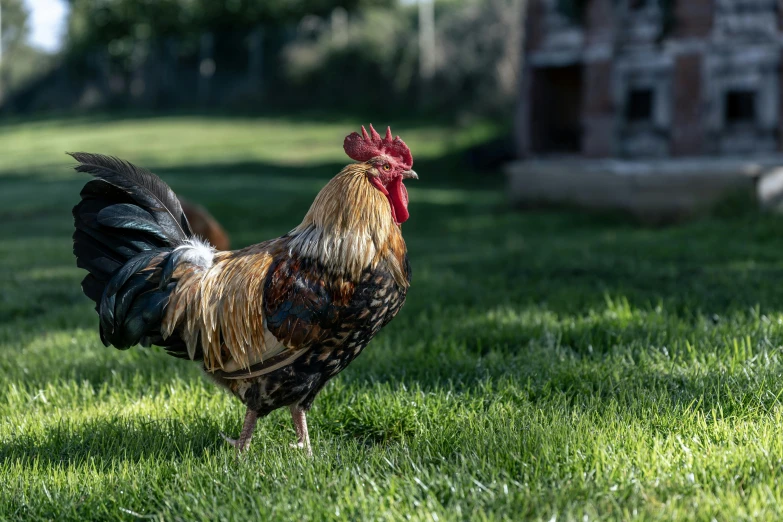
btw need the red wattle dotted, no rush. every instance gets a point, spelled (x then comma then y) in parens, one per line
(398, 197)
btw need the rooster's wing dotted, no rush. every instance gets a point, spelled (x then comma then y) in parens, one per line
(257, 309)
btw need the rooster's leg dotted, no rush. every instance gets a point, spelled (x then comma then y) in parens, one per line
(300, 425)
(243, 442)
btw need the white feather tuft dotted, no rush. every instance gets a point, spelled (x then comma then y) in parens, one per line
(197, 252)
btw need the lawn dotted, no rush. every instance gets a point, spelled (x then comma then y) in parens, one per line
(548, 365)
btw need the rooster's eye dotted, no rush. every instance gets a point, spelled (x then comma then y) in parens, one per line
(386, 167)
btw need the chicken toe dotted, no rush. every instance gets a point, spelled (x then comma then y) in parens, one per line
(243, 442)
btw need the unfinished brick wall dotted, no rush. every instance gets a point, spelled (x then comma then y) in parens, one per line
(688, 127)
(713, 84)
(693, 18)
(598, 137)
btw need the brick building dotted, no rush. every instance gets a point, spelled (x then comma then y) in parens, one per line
(632, 79)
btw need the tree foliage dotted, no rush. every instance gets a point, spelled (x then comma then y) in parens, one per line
(102, 21)
(477, 47)
(14, 24)
(20, 62)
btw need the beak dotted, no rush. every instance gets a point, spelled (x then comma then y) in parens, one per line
(410, 174)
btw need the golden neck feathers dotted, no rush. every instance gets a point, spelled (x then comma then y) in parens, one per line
(349, 228)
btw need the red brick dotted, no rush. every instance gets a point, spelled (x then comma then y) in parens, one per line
(534, 25)
(599, 21)
(693, 18)
(598, 110)
(688, 127)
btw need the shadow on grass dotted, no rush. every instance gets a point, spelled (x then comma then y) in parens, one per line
(115, 440)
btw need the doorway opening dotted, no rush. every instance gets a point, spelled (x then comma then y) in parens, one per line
(556, 110)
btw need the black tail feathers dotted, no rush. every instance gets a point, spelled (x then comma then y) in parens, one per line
(127, 222)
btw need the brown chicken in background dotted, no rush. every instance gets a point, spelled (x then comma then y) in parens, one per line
(203, 225)
(272, 322)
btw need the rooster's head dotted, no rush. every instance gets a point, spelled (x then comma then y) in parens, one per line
(389, 162)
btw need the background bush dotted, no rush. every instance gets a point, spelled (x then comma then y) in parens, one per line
(362, 55)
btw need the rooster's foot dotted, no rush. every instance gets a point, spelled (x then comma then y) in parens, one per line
(243, 442)
(233, 442)
(300, 425)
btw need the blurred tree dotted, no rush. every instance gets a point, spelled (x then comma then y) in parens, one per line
(480, 53)
(14, 23)
(17, 60)
(473, 64)
(145, 48)
(376, 53)
(103, 21)
(255, 53)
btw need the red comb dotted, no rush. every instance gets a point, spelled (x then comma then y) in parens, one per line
(365, 147)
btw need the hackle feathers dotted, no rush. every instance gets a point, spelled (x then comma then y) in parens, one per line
(349, 227)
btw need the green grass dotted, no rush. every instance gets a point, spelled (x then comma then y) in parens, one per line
(547, 365)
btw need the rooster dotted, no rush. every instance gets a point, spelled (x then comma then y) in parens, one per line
(273, 322)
